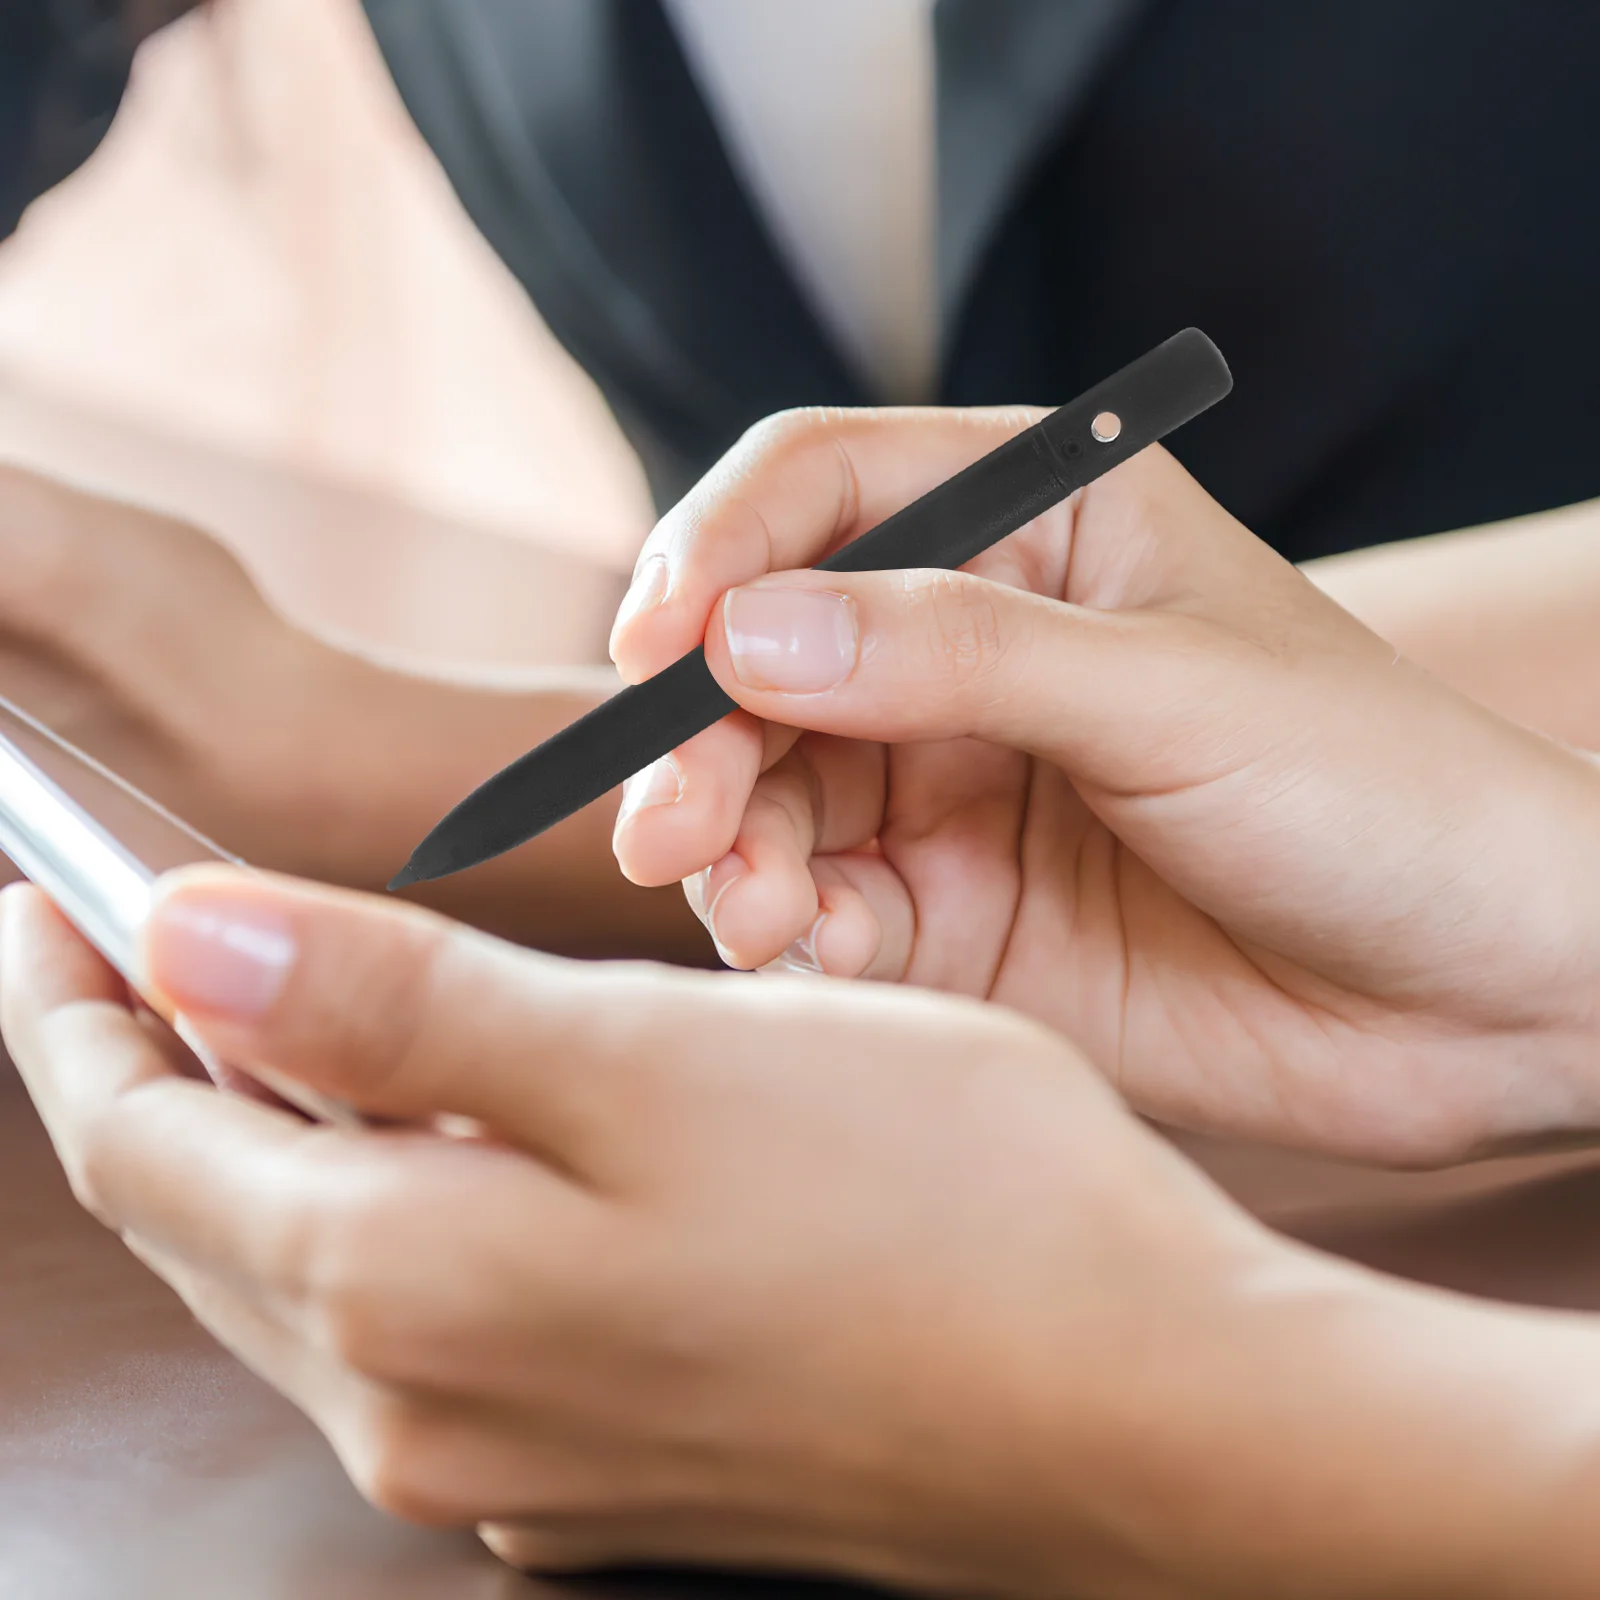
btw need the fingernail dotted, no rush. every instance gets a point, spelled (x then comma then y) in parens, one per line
(647, 589)
(797, 641)
(658, 785)
(801, 956)
(222, 956)
(719, 880)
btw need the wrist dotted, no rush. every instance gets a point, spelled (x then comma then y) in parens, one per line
(1389, 1440)
(1268, 1421)
(1507, 948)
(1562, 944)
(1097, 1433)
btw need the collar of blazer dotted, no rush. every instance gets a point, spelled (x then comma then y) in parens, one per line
(578, 143)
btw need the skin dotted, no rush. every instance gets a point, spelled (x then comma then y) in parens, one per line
(610, 1315)
(144, 642)
(593, 1383)
(1134, 775)
(1504, 614)
(1018, 1336)
(214, 711)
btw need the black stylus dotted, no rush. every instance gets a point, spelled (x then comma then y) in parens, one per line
(947, 527)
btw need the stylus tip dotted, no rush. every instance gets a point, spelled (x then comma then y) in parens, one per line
(406, 876)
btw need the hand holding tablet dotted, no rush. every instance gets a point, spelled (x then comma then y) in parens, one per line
(98, 847)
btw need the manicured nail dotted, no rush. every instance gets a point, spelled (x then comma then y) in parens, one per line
(217, 955)
(647, 589)
(658, 785)
(801, 956)
(797, 641)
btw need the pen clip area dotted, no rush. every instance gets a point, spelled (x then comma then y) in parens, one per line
(1039, 468)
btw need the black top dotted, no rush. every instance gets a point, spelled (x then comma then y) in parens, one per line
(1387, 212)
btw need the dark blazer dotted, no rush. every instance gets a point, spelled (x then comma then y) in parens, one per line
(63, 67)
(1386, 212)
(60, 81)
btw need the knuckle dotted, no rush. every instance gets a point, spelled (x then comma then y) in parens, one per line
(805, 443)
(787, 803)
(93, 1167)
(350, 1324)
(967, 637)
(346, 1273)
(786, 430)
(399, 1463)
(290, 1248)
(86, 1177)
(395, 1029)
(795, 455)
(368, 1005)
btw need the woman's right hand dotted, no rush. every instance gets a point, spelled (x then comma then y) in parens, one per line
(1130, 773)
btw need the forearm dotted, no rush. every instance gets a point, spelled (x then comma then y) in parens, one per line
(1380, 1440)
(422, 751)
(1508, 614)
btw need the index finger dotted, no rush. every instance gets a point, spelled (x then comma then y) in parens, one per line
(402, 1014)
(794, 488)
(228, 1186)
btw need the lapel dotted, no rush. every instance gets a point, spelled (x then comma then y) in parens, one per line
(1010, 75)
(578, 143)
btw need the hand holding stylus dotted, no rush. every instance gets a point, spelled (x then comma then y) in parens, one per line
(1132, 774)
(1019, 478)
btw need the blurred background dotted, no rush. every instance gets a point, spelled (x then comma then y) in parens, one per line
(424, 308)
(260, 306)
(414, 303)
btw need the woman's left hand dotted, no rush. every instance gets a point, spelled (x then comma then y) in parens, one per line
(721, 1274)
(865, 1280)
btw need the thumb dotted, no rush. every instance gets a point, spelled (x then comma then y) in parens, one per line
(1128, 700)
(395, 1011)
